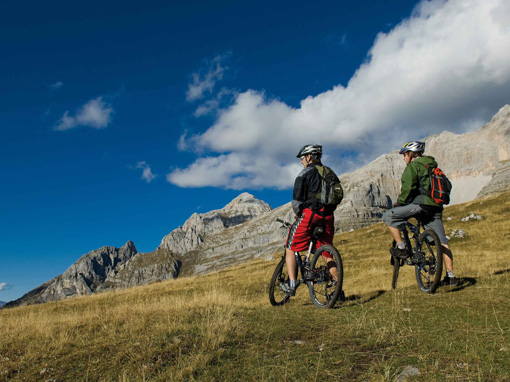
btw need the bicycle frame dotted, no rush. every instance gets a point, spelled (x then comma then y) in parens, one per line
(415, 230)
(301, 265)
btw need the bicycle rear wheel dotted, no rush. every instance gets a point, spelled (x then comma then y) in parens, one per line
(278, 297)
(323, 288)
(430, 262)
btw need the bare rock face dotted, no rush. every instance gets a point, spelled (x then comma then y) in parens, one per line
(471, 160)
(368, 189)
(258, 237)
(199, 226)
(499, 182)
(82, 278)
(142, 269)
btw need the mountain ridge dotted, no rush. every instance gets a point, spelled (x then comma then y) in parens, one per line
(246, 227)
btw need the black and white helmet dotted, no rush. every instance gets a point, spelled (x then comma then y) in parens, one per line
(415, 146)
(315, 150)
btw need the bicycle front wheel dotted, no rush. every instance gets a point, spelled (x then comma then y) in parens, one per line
(429, 266)
(277, 296)
(397, 263)
(325, 287)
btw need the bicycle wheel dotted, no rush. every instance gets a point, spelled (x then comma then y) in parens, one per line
(324, 290)
(397, 263)
(278, 297)
(430, 262)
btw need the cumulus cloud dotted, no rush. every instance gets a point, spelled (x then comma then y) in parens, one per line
(95, 113)
(204, 83)
(4, 286)
(445, 67)
(147, 174)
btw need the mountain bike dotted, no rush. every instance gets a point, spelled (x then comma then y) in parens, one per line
(426, 256)
(323, 288)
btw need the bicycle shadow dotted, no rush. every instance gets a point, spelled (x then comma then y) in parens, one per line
(464, 282)
(502, 272)
(355, 299)
(359, 300)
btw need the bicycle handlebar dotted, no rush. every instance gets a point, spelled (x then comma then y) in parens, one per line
(284, 223)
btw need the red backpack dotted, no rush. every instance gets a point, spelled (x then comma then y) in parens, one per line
(440, 185)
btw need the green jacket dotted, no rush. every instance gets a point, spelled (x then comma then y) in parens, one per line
(416, 182)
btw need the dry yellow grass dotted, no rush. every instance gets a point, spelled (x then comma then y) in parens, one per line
(221, 325)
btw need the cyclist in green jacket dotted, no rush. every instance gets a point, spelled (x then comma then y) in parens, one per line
(414, 200)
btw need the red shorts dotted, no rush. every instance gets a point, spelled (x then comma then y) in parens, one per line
(301, 231)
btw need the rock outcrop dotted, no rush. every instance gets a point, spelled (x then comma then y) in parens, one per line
(144, 268)
(199, 226)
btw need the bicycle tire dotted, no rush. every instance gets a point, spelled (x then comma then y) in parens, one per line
(397, 263)
(429, 268)
(277, 297)
(324, 292)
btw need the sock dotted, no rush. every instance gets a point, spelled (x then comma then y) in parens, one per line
(292, 283)
(401, 245)
(450, 274)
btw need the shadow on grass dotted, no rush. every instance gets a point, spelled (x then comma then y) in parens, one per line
(360, 300)
(501, 272)
(464, 282)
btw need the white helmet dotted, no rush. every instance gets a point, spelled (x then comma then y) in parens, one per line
(315, 150)
(415, 146)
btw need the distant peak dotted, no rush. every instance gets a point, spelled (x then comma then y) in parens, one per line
(244, 196)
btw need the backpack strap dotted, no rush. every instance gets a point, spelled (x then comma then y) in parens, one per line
(423, 191)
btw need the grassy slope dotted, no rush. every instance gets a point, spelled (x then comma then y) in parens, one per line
(221, 326)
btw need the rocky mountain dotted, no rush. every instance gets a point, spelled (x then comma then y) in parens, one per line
(82, 278)
(2, 303)
(115, 268)
(477, 163)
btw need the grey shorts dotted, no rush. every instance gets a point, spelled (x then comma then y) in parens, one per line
(397, 216)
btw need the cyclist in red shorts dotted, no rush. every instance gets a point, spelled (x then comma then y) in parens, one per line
(310, 213)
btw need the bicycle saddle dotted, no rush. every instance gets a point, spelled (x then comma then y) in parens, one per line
(318, 231)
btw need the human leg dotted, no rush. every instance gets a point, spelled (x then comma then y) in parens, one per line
(329, 232)
(436, 224)
(290, 259)
(394, 219)
(297, 241)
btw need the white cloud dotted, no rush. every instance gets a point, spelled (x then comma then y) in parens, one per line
(95, 113)
(443, 68)
(213, 104)
(147, 174)
(4, 286)
(205, 83)
(57, 85)
(234, 171)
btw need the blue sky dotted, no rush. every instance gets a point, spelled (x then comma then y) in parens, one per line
(121, 119)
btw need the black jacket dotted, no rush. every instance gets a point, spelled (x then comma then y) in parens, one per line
(307, 184)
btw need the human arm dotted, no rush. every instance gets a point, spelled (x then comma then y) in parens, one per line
(300, 192)
(410, 185)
